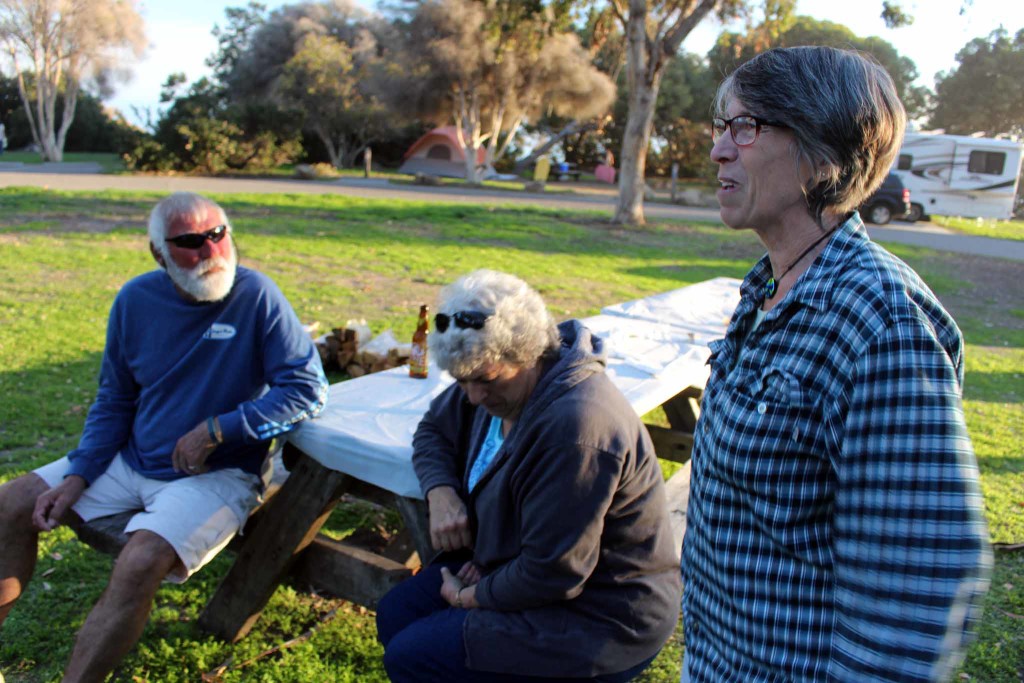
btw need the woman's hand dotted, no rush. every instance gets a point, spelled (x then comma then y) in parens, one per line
(454, 590)
(449, 522)
(470, 574)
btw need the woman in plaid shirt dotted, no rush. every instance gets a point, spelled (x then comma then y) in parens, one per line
(835, 528)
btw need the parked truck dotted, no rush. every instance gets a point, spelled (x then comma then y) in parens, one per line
(957, 175)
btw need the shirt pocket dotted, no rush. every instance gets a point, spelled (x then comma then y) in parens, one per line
(767, 454)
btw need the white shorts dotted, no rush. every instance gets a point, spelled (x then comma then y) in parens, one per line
(197, 515)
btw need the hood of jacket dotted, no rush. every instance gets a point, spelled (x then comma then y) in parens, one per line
(581, 355)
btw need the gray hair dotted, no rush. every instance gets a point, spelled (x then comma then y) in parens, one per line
(178, 206)
(519, 331)
(841, 106)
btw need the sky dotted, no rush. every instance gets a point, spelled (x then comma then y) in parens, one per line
(180, 39)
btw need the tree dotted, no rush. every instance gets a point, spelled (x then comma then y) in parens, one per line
(985, 92)
(322, 60)
(323, 79)
(235, 38)
(57, 45)
(489, 67)
(733, 49)
(679, 130)
(654, 31)
(94, 129)
(203, 132)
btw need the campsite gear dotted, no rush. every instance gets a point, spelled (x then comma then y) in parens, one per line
(541, 170)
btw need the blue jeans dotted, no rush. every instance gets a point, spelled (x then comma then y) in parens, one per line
(422, 638)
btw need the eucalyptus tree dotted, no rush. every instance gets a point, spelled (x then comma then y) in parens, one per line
(490, 66)
(655, 30)
(56, 46)
(323, 60)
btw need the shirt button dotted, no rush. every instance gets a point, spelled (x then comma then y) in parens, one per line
(761, 408)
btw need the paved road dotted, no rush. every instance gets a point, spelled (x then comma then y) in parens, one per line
(584, 198)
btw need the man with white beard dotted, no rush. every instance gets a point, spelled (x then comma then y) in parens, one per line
(205, 362)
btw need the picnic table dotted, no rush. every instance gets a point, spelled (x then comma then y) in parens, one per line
(565, 171)
(362, 445)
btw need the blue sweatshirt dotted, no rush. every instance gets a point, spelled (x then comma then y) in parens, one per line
(169, 364)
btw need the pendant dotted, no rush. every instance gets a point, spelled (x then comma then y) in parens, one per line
(770, 288)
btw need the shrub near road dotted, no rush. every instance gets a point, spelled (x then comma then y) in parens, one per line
(63, 257)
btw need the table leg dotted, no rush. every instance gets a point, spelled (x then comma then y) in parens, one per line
(291, 522)
(683, 409)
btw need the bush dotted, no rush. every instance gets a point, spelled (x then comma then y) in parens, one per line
(210, 146)
(146, 154)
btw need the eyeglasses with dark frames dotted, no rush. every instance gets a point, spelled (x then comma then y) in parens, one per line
(464, 320)
(195, 240)
(744, 128)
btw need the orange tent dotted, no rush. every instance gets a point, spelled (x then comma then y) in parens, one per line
(439, 153)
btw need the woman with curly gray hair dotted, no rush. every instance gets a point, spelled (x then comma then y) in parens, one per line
(547, 503)
(834, 528)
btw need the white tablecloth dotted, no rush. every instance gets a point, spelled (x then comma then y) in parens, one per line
(657, 347)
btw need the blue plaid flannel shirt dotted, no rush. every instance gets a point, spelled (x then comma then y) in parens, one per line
(835, 528)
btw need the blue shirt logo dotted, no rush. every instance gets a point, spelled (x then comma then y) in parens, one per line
(220, 331)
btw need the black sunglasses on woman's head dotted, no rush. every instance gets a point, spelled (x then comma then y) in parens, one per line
(464, 320)
(195, 240)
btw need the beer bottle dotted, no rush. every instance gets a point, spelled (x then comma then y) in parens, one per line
(418, 355)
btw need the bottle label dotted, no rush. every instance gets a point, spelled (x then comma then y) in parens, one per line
(418, 360)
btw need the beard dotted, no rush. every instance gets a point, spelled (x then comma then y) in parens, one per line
(211, 280)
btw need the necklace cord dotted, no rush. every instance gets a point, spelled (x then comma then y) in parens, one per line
(771, 287)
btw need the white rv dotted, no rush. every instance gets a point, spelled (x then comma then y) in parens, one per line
(956, 175)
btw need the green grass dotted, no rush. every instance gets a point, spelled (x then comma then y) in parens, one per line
(109, 162)
(63, 257)
(983, 227)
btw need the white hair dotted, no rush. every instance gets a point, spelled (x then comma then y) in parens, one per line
(519, 331)
(198, 282)
(180, 206)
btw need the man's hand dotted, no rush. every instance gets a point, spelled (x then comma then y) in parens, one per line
(54, 503)
(192, 450)
(449, 523)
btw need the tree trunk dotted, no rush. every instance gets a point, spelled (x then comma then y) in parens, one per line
(467, 131)
(354, 150)
(646, 60)
(70, 102)
(644, 79)
(333, 153)
(22, 91)
(637, 137)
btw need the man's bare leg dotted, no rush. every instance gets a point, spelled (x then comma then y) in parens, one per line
(19, 539)
(116, 622)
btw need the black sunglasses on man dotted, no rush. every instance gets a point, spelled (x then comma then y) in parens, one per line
(195, 240)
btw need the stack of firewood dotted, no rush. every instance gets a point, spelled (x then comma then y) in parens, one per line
(339, 350)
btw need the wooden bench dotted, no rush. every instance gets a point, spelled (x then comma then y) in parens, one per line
(331, 566)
